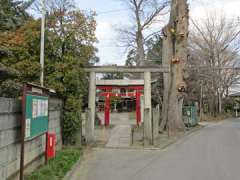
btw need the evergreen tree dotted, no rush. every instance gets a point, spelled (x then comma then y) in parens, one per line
(69, 46)
(12, 14)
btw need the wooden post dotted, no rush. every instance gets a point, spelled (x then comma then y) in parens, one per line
(23, 133)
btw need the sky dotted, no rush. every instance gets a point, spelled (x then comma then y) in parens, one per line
(113, 14)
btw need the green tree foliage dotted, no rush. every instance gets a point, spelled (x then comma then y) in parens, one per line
(153, 57)
(12, 14)
(153, 52)
(12, 17)
(69, 46)
(154, 46)
(22, 48)
(113, 76)
(8, 86)
(71, 35)
(131, 58)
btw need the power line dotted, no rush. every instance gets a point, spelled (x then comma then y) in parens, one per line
(111, 11)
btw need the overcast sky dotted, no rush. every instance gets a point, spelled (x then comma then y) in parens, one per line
(113, 14)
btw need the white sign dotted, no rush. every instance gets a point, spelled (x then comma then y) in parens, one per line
(28, 128)
(36, 90)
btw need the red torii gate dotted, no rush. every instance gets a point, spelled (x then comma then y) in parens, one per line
(108, 93)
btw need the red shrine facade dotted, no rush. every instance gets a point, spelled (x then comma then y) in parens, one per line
(130, 91)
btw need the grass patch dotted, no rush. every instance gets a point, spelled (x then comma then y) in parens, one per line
(58, 167)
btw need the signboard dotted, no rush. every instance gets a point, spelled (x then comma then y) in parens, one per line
(34, 121)
(35, 111)
(36, 115)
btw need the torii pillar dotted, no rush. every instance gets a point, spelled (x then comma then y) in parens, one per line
(91, 108)
(148, 137)
(138, 107)
(107, 110)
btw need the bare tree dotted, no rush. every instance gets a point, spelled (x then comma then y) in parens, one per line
(52, 5)
(175, 55)
(215, 46)
(144, 14)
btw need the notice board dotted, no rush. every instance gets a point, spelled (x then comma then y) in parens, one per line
(36, 115)
(35, 111)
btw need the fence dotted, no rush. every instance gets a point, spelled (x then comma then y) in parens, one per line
(10, 118)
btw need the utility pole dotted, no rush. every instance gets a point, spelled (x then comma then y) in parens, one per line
(42, 43)
(201, 101)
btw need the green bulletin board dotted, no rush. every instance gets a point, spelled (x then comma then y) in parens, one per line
(36, 116)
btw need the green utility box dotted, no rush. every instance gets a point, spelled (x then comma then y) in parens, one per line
(190, 115)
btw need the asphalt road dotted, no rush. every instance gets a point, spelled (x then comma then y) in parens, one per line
(212, 153)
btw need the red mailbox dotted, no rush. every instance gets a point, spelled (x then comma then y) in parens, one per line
(51, 144)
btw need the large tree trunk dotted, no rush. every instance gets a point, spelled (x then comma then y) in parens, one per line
(140, 49)
(166, 56)
(176, 34)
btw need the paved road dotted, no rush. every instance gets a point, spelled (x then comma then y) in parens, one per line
(212, 153)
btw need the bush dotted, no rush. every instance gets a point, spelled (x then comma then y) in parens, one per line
(58, 167)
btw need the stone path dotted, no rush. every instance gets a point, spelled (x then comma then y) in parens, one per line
(120, 137)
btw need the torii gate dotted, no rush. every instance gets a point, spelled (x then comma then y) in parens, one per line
(109, 85)
(146, 70)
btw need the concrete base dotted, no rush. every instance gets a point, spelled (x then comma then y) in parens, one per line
(155, 123)
(147, 130)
